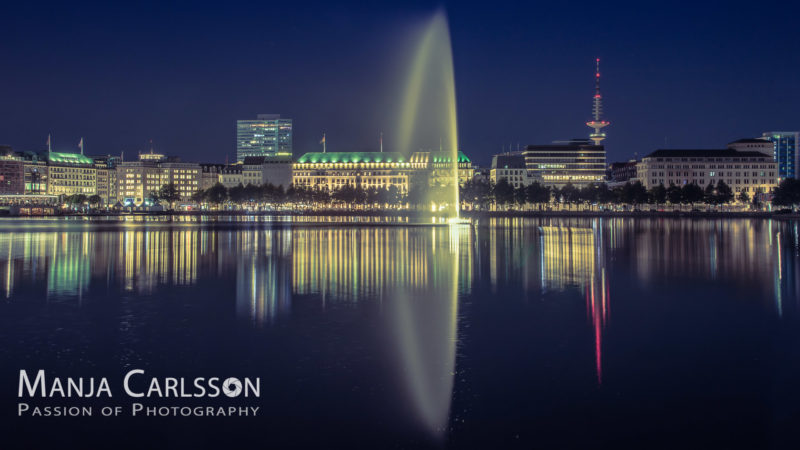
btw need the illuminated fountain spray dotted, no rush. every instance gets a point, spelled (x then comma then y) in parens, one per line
(429, 105)
(424, 314)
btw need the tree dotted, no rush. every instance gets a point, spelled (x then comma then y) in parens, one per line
(76, 199)
(724, 193)
(634, 193)
(152, 197)
(743, 197)
(418, 188)
(478, 193)
(373, 195)
(658, 194)
(169, 193)
(345, 194)
(691, 194)
(709, 196)
(199, 196)
(787, 193)
(569, 194)
(237, 194)
(95, 200)
(503, 192)
(606, 195)
(217, 194)
(536, 193)
(674, 194)
(252, 193)
(520, 196)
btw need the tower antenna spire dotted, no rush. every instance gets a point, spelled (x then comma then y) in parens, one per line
(597, 123)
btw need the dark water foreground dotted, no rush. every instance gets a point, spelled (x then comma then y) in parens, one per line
(517, 333)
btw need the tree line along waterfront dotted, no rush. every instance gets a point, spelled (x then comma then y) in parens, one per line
(475, 195)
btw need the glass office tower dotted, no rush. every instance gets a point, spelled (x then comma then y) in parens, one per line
(786, 151)
(268, 135)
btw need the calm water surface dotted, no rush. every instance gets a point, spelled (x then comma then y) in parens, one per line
(528, 333)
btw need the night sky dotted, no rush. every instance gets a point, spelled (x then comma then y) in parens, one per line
(680, 75)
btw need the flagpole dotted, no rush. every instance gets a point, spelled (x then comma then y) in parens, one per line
(381, 141)
(324, 144)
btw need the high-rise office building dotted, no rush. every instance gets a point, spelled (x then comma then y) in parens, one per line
(787, 151)
(268, 135)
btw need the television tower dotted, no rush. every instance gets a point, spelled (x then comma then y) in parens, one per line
(597, 123)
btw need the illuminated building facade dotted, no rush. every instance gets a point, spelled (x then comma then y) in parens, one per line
(579, 162)
(185, 176)
(511, 167)
(106, 179)
(333, 170)
(137, 180)
(743, 171)
(268, 135)
(34, 174)
(368, 170)
(440, 165)
(71, 174)
(786, 151)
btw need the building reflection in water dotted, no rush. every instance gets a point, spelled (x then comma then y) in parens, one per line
(263, 288)
(573, 256)
(417, 273)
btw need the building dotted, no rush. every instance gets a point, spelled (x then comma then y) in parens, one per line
(621, 172)
(377, 169)
(578, 161)
(184, 175)
(71, 174)
(34, 173)
(511, 167)
(232, 175)
(482, 174)
(139, 180)
(758, 145)
(268, 135)
(748, 171)
(333, 170)
(12, 173)
(209, 175)
(262, 170)
(440, 165)
(785, 151)
(106, 178)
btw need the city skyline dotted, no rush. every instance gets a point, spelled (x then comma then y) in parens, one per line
(521, 85)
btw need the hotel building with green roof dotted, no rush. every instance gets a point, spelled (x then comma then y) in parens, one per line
(333, 170)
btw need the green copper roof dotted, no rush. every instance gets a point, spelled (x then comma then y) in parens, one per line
(352, 157)
(444, 157)
(69, 158)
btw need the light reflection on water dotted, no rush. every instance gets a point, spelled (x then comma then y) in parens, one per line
(418, 274)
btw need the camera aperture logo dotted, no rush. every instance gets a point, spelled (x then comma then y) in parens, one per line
(147, 391)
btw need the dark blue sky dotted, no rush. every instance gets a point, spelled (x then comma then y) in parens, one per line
(693, 74)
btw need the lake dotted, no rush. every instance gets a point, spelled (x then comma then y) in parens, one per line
(384, 333)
